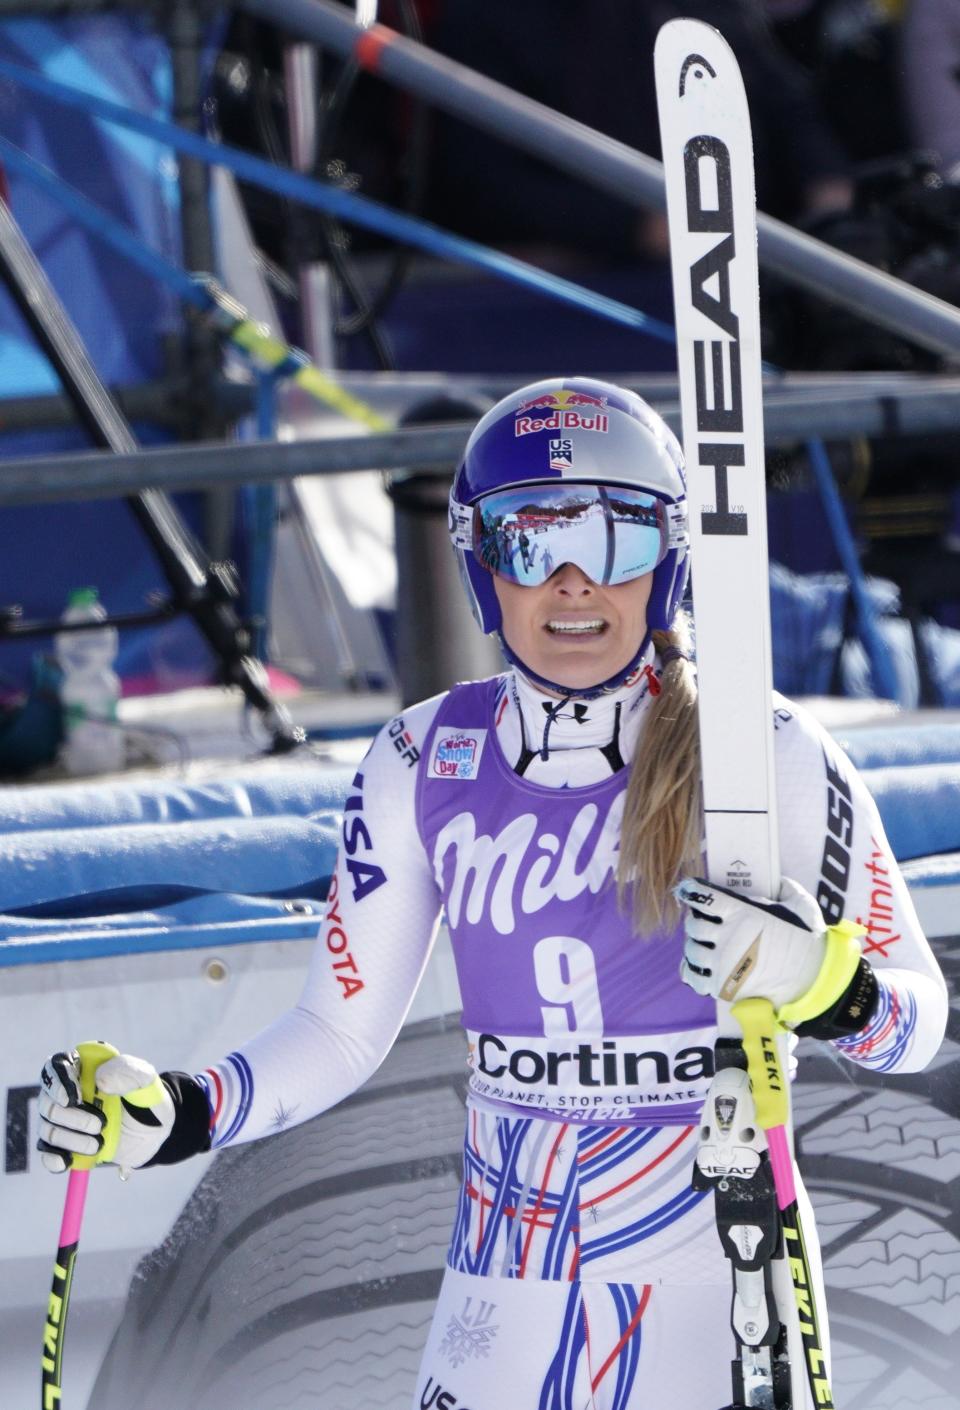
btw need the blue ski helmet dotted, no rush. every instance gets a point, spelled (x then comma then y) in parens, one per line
(588, 432)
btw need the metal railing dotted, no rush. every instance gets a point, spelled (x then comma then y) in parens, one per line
(842, 410)
(608, 164)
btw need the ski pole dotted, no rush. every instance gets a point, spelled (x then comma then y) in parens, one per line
(91, 1055)
(768, 1081)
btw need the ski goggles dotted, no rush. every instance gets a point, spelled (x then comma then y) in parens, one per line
(611, 533)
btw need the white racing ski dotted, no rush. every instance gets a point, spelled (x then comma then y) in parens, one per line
(708, 161)
(711, 205)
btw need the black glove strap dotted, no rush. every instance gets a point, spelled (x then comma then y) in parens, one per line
(851, 1013)
(191, 1124)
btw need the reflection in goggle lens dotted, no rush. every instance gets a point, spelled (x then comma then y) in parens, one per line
(611, 534)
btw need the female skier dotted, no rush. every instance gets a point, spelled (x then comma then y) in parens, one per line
(554, 812)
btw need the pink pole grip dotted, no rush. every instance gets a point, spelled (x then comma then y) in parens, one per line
(782, 1165)
(73, 1207)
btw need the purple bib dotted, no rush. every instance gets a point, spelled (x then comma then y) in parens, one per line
(543, 952)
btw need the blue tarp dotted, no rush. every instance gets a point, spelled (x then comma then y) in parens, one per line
(123, 318)
(920, 807)
(811, 655)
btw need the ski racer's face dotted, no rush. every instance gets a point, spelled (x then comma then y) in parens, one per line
(571, 630)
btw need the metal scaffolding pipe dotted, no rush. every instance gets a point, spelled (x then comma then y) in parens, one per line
(96, 475)
(608, 164)
(787, 416)
(158, 401)
(161, 401)
(52, 9)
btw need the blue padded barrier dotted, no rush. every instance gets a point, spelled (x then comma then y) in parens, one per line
(206, 921)
(163, 864)
(933, 871)
(264, 793)
(919, 805)
(877, 746)
(88, 870)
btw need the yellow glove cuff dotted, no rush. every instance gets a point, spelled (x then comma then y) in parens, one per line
(840, 964)
(146, 1096)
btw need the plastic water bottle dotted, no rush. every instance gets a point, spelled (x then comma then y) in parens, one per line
(90, 689)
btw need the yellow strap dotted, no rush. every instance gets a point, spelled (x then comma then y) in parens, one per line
(768, 1084)
(323, 388)
(257, 340)
(270, 352)
(761, 1024)
(839, 966)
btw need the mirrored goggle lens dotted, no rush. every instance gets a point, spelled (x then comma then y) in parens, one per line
(611, 534)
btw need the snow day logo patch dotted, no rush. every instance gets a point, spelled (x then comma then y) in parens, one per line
(457, 755)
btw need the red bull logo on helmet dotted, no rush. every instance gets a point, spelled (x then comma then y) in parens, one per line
(562, 413)
(563, 400)
(561, 421)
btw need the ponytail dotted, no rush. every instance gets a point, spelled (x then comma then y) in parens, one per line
(661, 834)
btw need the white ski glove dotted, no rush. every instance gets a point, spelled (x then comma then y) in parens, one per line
(740, 947)
(132, 1119)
